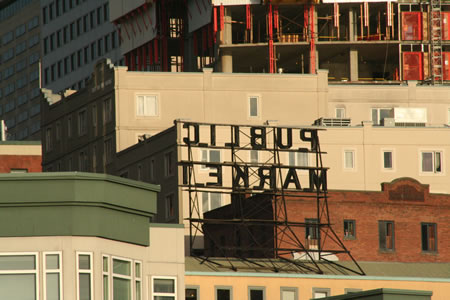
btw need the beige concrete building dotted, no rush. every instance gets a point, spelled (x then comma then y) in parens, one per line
(19, 68)
(374, 133)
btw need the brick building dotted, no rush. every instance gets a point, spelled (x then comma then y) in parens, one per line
(403, 222)
(23, 157)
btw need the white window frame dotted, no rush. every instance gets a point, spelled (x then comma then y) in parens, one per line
(258, 106)
(392, 168)
(344, 162)
(143, 114)
(52, 271)
(289, 289)
(207, 158)
(36, 271)
(164, 294)
(378, 114)
(342, 110)
(327, 291)
(433, 172)
(126, 277)
(90, 272)
(107, 274)
(137, 279)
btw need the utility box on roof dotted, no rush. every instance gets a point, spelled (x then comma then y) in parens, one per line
(412, 66)
(412, 26)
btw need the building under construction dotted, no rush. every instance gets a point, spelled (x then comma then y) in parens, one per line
(371, 41)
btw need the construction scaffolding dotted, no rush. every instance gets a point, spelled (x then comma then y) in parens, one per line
(256, 226)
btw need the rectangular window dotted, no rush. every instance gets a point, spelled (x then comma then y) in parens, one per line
(69, 127)
(289, 293)
(312, 229)
(84, 277)
(340, 112)
(82, 122)
(253, 106)
(431, 161)
(320, 293)
(379, 114)
(147, 105)
(53, 275)
(94, 119)
(299, 159)
(164, 288)
(107, 111)
(386, 235)
(254, 156)
(192, 293)
(224, 293)
(108, 151)
(105, 272)
(211, 201)
(256, 293)
(429, 240)
(168, 164)
(170, 206)
(211, 156)
(349, 229)
(152, 170)
(19, 276)
(387, 160)
(48, 139)
(349, 159)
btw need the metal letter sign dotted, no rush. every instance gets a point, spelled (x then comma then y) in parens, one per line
(238, 178)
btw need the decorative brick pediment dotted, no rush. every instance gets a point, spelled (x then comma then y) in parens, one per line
(406, 189)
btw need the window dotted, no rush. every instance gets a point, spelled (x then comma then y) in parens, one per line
(164, 288)
(340, 112)
(253, 107)
(83, 161)
(349, 159)
(82, 122)
(192, 293)
(20, 30)
(53, 275)
(256, 293)
(105, 272)
(312, 229)
(152, 170)
(108, 151)
(387, 160)
(349, 229)
(48, 139)
(107, 111)
(94, 119)
(170, 206)
(84, 277)
(429, 240)
(386, 235)
(289, 293)
(168, 164)
(254, 156)
(121, 278)
(431, 161)
(224, 292)
(378, 114)
(299, 159)
(18, 276)
(33, 23)
(147, 105)
(211, 201)
(69, 127)
(320, 293)
(212, 156)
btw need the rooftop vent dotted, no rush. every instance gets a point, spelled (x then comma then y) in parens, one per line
(332, 122)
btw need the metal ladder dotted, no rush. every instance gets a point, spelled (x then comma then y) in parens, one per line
(436, 42)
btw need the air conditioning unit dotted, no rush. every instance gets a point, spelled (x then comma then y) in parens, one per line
(388, 122)
(333, 122)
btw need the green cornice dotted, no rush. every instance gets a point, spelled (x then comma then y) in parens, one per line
(76, 204)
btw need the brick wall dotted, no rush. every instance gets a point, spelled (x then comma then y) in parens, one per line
(32, 163)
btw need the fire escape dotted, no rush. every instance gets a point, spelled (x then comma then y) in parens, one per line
(436, 43)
